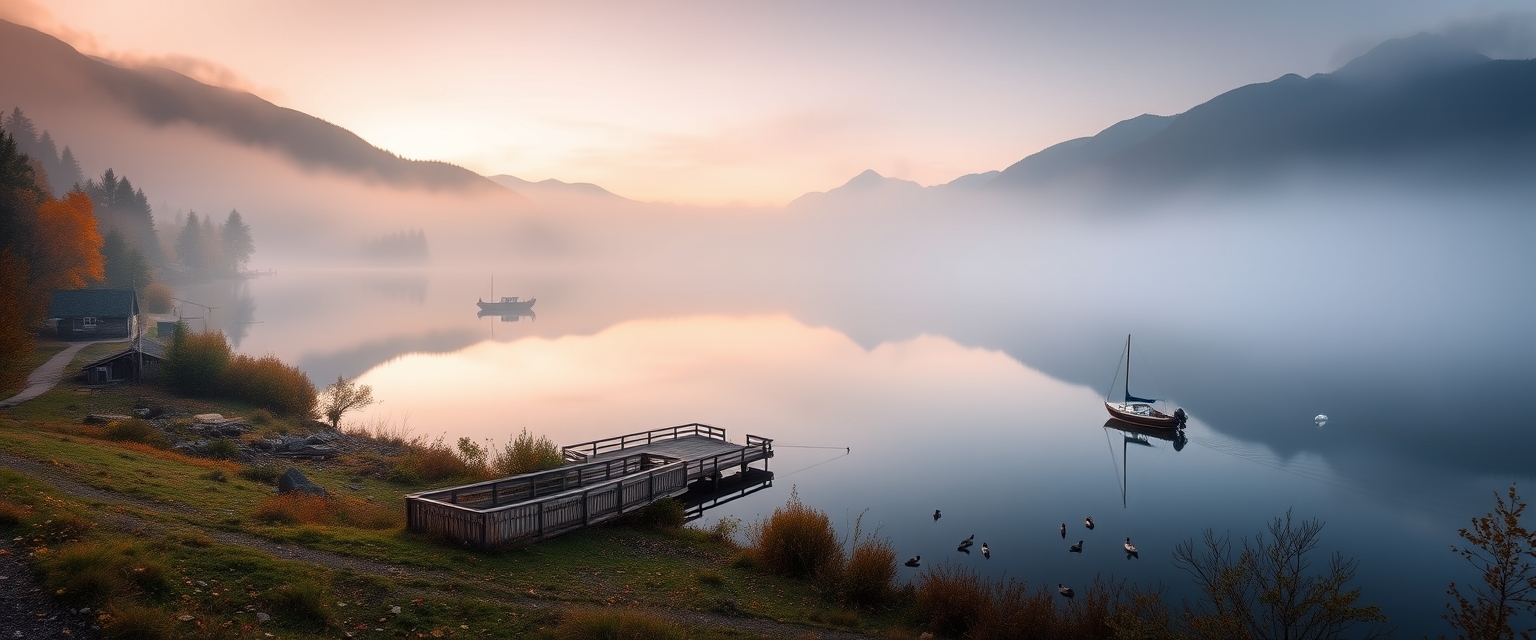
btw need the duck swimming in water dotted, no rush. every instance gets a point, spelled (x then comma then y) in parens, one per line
(968, 541)
(1063, 531)
(1065, 591)
(1129, 548)
(937, 515)
(1088, 522)
(985, 552)
(1076, 548)
(913, 562)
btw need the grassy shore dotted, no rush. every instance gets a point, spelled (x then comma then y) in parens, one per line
(190, 544)
(41, 352)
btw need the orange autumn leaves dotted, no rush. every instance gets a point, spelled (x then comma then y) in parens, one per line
(66, 249)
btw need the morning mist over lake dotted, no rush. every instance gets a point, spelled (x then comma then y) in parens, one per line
(976, 320)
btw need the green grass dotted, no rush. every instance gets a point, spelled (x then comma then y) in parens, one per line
(40, 354)
(613, 566)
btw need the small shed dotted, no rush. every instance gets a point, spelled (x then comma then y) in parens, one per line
(95, 313)
(125, 364)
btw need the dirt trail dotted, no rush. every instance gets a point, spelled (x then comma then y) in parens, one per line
(48, 375)
(22, 581)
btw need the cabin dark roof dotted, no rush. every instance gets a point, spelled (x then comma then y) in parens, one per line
(98, 303)
(152, 349)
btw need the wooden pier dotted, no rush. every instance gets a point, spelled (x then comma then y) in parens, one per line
(601, 480)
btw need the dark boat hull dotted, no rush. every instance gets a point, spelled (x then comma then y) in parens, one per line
(1153, 418)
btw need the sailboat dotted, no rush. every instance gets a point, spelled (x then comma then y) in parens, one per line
(507, 306)
(1140, 411)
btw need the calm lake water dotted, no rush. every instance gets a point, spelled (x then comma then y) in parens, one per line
(966, 374)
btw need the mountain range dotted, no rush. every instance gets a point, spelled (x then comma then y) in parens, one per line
(1419, 103)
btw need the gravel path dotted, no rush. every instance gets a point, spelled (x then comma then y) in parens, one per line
(20, 584)
(48, 375)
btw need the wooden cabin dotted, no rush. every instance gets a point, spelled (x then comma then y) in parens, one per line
(138, 362)
(92, 314)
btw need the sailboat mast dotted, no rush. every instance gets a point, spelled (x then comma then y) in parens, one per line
(1127, 367)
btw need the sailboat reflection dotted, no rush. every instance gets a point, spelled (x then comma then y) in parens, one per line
(708, 493)
(1139, 436)
(508, 316)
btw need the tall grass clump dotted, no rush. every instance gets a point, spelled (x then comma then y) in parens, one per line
(952, 599)
(128, 621)
(433, 461)
(526, 454)
(134, 430)
(303, 601)
(300, 508)
(796, 541)
(869, 578)
(195, 362)
(616, 625)
(94, 572)
(663, 515)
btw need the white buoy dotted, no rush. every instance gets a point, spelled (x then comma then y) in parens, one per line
(1321, 419)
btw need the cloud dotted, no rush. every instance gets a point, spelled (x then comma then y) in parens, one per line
(34, 15)
(1509, 36)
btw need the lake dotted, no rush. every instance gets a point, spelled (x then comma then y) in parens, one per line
(962, 367)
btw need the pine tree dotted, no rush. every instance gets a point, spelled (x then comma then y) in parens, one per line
(22, 130)
(69, 169)
(188, 251)
(237, 242)
(125, 266)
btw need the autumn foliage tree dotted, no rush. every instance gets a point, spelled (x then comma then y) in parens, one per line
(45, 244)
(1499, 546)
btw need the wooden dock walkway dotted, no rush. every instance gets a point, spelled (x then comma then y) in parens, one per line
(601, 480)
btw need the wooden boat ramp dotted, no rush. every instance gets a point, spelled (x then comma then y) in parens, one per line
(600, 480)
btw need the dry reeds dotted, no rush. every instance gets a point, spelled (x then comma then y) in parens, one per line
(796, 541)
(96, 571)
(270, 383)
(133, 430)
(300, 508)
(616, 625)
(869, 578)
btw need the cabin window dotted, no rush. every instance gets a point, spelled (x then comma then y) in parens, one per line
(88, 322)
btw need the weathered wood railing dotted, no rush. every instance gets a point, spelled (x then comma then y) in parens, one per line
(582, 452)
(596, 498)
(756, 449)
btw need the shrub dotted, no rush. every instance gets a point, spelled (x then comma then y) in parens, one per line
(222, 450)
(304, 601)
(796, 541)
(366, 515)
(270, 383)
(264, 474)
(870, 575)
(724, 530)
(128, 621)
(663, 514)
(952, 599)
(615, 625)
(433, 462)
(1016, 611)
(261, 417)
(528, 454)
(195, 362)
(157, 298)
(134, 430)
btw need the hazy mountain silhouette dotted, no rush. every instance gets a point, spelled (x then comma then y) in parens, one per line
(1065, 157)
(867, 185)
(43, 74)
(1420, 103)
(553, 187)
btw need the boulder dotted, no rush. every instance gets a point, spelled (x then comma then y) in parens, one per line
(208, 418)
(294, 480)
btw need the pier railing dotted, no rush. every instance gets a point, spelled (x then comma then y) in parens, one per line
(586, 450)
(553, 502)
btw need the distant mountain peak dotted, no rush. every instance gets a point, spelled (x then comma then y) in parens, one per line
(1401, 58)
(871, 179)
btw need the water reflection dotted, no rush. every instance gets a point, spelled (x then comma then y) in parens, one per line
(1132, 434)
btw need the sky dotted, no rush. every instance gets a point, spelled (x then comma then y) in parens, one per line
(735, 103)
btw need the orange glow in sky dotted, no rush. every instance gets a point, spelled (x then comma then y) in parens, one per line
(719, 103)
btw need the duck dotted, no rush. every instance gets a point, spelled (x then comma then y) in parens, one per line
(1064, 590)
(1088, 522)
(963, 549)
(914, 561)
(1129, 548)
(1076, 548)
(937, 515)
(1063, 531)
(986, 552)
(968, 541)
